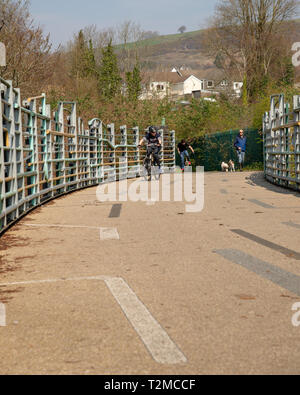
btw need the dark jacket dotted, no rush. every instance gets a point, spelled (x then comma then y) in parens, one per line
(241, 143)
(153, 139)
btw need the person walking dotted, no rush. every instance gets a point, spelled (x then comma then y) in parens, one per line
(241, 146)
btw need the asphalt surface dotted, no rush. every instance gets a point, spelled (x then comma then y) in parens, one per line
(134, 288)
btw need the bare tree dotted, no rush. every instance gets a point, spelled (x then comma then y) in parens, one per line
(129, 36)
(29, 60)
(247, 36)
(2, 24)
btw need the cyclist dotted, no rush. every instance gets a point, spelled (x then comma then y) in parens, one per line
(183, 148)
(153, 141)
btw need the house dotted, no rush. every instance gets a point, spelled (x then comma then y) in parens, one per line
(219, 85)
(170, 84)
(177, 83)
(158, 84)
(233, 89)
(190, 85)
(238, 88)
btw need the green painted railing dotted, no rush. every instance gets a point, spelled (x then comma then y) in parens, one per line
(282, 142)
(44, 155)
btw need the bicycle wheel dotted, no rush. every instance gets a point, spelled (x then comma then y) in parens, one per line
(157, 173)
(147, 169)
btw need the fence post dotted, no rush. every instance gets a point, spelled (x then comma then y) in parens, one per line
(13, 190)
(61, 145)
(79, 138)
(296, 103)
(162, 148)
(174, 149)
(124, 171)
(112, 139)
(136, 134)
(2, 170)
(20, 153)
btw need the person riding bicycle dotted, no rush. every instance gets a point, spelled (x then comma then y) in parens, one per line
(153, 141)
(183, 148)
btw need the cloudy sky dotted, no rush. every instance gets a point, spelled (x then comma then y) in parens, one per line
(62, 18)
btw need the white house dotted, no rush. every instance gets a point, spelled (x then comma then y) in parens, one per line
(192, 84)
(172, 84)
(175, 84)
(237, 88)
(158, 84)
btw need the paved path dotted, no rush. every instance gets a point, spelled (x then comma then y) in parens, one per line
(99, 288)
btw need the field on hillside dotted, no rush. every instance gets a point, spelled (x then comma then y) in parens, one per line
(182, 49)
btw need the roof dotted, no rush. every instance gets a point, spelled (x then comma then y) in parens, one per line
(214, 74)
(167, 76)
(210, 74)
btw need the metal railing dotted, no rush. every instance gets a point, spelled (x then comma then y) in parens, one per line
(282, 142)
(44, 155)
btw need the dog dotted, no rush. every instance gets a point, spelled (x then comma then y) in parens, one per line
(231, 166)
(225, 167)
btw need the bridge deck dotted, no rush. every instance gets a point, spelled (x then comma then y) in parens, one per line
(155, 290)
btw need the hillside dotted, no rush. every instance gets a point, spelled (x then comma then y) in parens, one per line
(185, 49)
(175, 50)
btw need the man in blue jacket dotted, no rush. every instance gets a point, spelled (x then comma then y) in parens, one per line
(241, 146)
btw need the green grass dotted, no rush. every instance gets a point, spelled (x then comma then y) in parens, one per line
(159, 40)
(166, 39)
(257, 166)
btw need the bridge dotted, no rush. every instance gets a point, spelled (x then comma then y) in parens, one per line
(89, 286)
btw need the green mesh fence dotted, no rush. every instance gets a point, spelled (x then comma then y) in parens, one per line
(212, 149)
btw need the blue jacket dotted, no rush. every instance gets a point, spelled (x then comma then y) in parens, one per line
(241, 143)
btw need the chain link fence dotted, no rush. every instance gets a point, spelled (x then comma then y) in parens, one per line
(213, 149)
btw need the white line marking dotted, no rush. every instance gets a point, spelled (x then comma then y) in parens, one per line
(61, 226)
(161, 347)
(55, 280)
(109, 234)
(157, 341)
(2, 315)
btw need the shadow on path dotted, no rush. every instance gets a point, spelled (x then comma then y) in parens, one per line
(258, 179)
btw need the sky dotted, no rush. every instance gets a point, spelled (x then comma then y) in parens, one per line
(63, 18)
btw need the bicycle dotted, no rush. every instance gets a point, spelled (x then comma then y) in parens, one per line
(150, 165)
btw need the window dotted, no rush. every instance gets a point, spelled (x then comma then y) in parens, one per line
(210, 84)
